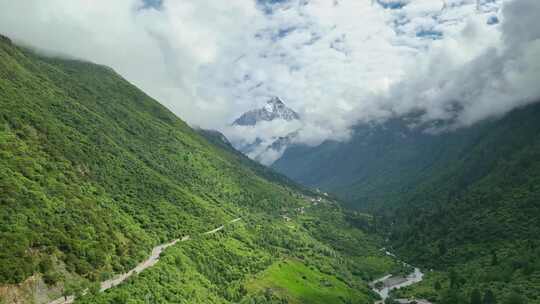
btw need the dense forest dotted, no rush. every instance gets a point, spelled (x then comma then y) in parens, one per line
(465, 203)
(478, 220)
(94, 173)
(381, 162)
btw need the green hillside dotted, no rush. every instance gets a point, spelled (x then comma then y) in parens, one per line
(479, 218)
(465, 203)
(379, 163)
(94, 173)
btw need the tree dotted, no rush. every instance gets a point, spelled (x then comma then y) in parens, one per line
(514, 298)
(73, 288)
(451, 297)
(494, 258)
(120, 298)
(67, 290)
(52, 277)
(489, 297)
(389, 300)
(442, 248)
(94, 288)
(454, 279)
(476, 297)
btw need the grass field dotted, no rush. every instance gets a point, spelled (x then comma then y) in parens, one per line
(301, 284)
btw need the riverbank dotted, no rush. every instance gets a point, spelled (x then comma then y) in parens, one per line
(384, 285)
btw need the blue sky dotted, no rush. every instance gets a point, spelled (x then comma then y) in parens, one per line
(153, 3)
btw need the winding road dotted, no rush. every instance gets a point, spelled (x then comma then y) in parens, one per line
(149, 262)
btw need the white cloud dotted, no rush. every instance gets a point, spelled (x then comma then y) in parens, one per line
(161, 51)
(335, 62)
(481, 70)
(265, 131)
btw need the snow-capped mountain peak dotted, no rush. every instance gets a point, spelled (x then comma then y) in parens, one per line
(272, 110)
(274, 105)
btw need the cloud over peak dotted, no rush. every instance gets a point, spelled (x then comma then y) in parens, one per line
(335, 62)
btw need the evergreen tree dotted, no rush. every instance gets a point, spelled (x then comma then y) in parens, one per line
(454, 279)
(514, 298)
(489, 297)
(389, 300)
(494, 258)
(451, 297)
(476, 297)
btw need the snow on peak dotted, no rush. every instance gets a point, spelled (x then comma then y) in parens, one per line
(272, 110)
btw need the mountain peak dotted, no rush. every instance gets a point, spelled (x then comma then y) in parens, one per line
(272, 110)
(274, 104)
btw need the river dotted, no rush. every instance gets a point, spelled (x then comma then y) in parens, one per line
(394, 282)
(390, 282)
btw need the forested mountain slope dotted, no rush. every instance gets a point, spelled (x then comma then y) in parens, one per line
(93, 173)
(379, 163)
(465, 202)
(480, 216)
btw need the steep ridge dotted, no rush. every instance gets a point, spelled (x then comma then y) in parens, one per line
(94, 173)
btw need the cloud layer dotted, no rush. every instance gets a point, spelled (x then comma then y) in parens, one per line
(162, 48)
(481, 72)
(335, 62)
